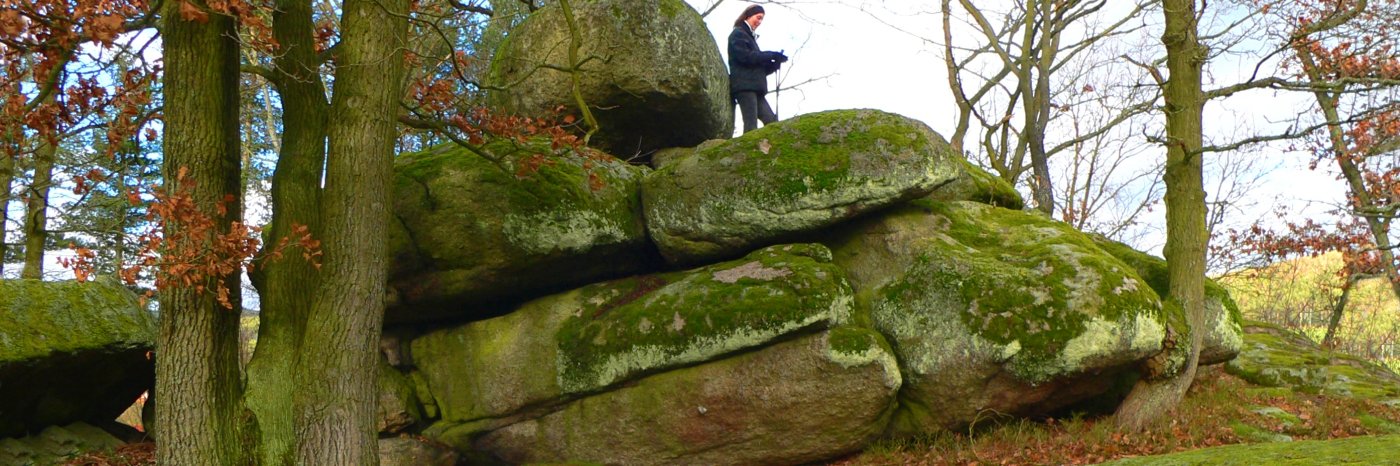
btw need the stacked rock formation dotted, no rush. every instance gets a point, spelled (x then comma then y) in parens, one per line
(783, 297)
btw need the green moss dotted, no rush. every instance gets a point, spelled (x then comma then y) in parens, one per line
(1275, 357)
(1356, 450)
(1035, 285)
(46, 318)
(978, 185)
(635, 324)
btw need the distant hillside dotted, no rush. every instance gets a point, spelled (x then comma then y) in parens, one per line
(1299, 294)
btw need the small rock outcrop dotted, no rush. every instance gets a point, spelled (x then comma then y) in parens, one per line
(649, 70)
(56, 445)
(996, 311)
(789, 178)
(70, 352)
(1277, 357)
(469, 233)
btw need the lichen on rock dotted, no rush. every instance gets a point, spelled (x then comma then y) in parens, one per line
(995, 309)
(792, 177)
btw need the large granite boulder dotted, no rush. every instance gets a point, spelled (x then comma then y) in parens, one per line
(995, 311)
(470, 234)
(789, 178)
(510, 386)
(70, 352)
(978, 185)
(1223, 337)
(795, 402)
(650, 72)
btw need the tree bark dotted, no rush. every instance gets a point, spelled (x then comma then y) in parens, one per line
(1328, 340)
(336, 397)
(7, 178)
(36, 217)
(283, 285)
(1152, 398)
(199, 414)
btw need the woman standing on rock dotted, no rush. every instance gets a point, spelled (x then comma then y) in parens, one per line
(749, 68)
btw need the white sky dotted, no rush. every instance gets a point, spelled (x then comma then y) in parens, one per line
(884, 64)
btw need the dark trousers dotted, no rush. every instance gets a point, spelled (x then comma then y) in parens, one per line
(752, 105)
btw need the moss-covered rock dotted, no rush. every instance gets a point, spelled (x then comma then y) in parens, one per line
(1376, 450)
(471, 232)
(791, 177)
(1223, 338)
(795, 402)
(651, 73)
(978, 185)
(595, 337)
(1276, 357)
(995, 311)
(70, 352)
(56, 445)
(398, 408)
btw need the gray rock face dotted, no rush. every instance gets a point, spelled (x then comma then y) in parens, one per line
(55, 445)
(794, 402)
(651, 73)
(471, 233)
(587, 340)
(996, 311)
(792, 177)
(70, 352)
(415, 451)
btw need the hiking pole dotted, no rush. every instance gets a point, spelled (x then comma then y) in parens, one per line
(777, 86)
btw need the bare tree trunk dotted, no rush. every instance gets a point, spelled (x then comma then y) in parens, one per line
(1185, 251)
(285, 286)
(36, 217)
(199, 414)
(7, 178)
(1328, 340)
(336, 397)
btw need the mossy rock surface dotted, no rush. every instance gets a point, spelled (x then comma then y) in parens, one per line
(1224, 336)
(993, 310)
(469, 234)
(69, 352)
(1376, 450)
(978, 185)
(397, 409)
(56, 445)
(652, 73)
(795, 402)
(587, 340)
(1276, 357)
(789, 178)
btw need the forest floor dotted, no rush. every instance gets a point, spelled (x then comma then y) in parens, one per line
(1220, 409)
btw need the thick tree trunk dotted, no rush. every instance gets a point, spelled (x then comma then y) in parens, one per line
(36, 232)
(199, 414)
(1152, 398)
(285, 286)
(336, 397)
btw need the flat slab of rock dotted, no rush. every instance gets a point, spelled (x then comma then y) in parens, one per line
(471, 234)
(996, 310)
(70, 352)
(653, 74)
(593, 338)
(1276, 357)
(795, 402)
(792, 177)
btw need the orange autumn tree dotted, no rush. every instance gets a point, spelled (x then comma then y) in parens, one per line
(1346, 54)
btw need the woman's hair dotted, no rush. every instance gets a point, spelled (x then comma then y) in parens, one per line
(750, 11)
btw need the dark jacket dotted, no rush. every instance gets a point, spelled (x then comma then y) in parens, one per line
(748, 66)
